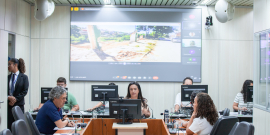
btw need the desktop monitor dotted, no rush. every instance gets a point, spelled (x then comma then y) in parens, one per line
(98, 92)
(186, 90)
(125, 109)
(249, 94)
(45, 94)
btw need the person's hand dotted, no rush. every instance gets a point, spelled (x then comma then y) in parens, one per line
(36, 109)
(91, 109)
(243, 108)
(184, 123)
(11, 104)
(71, 124)
(144, 111)
(12, 99)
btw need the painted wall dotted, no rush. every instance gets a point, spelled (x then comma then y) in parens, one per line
(15, 19)
(261, 119)
(226, 61)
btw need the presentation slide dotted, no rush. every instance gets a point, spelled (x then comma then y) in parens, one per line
(135, 44)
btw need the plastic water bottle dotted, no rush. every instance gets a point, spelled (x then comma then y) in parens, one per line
(166, 116)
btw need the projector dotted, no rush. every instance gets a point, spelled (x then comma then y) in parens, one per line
(43, 9)
(224, 11)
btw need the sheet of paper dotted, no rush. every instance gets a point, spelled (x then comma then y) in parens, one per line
(65, 128)
(183, 131)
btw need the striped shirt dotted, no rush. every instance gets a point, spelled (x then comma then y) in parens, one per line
(239, 98)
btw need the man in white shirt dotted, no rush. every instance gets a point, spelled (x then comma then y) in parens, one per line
(177, 104)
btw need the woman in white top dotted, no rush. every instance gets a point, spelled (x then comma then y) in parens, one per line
(135, 92)
(204, 116)
(177, 104)
(241, 98)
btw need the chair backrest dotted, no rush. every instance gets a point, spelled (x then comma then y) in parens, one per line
(226, 112)
(224, 125)
(19, 128)
(17, 113)
(244, 128)
(31, 124)
(234, 127)
(5, 132)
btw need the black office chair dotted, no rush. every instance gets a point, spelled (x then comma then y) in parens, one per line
(17, 113)
(224, 125)
(234, 127)
(31, 124)
(5, 132)
(19, 128)
(243, 128)
(226, 112)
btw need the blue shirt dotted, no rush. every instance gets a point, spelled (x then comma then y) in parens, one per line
(47, 115)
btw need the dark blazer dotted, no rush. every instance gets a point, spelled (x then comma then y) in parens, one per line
(21, 88)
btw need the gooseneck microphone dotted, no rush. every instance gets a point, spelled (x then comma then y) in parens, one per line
(152, 113)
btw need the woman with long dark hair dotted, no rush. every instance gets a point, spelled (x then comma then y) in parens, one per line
(135, 92)
(17, 86)
(241, 98)
(204, 116)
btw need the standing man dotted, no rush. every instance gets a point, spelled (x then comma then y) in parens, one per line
(17, 86)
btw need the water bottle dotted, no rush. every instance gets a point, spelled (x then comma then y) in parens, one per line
(166, 116)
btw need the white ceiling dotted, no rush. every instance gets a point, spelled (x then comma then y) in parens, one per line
(147, 2)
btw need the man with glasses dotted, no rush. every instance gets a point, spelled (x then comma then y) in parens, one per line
(72, 104)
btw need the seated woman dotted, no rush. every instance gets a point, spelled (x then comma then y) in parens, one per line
(192, 97)
(204, 116)
(135, 92)
(241, 98)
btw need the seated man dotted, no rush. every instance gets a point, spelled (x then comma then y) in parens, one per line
(50, 115)
(72, 104)
(186, 81)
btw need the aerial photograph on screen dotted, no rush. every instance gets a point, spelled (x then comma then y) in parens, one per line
(140, 42)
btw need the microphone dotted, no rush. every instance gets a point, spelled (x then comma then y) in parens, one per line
(75, 125)
(83, 125)
(152, 113)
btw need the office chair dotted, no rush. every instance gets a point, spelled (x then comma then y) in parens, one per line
(226, 112)
(243, 128)
(17, 113)
(5, 132)
(224, 125)
(19, 128)
(31, 124)
(234, 127)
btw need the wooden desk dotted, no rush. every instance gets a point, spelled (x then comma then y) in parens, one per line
(104, 126)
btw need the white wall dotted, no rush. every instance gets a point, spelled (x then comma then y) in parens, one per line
(261, 119)
(14, 18)
(226, 61)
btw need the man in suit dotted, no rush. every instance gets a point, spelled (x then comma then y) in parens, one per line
(17, 86)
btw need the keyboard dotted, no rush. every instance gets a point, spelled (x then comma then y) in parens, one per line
(179, 115)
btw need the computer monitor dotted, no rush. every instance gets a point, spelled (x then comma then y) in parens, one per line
(186, 91)
(104, 92)
(125, 109)
(249, 94)
(45, 94)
